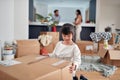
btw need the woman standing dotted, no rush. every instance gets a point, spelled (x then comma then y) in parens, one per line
(77, 23)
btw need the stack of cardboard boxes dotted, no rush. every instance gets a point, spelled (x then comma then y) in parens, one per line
(110, 57)
(36, 67)
(32, 46)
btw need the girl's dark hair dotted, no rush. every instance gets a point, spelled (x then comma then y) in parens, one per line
(67, 28)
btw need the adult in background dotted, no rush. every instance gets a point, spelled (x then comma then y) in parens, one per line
(77, 23)
(56, 16)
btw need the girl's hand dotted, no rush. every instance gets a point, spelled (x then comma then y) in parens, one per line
(72, 68)
(45, 55)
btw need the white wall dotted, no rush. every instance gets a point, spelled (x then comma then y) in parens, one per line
(13, 20)
(41, 8)
(118, 19)
(6, 20)
(21, 8)
(106, 15)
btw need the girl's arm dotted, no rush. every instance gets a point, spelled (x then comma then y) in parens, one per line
(77, 57)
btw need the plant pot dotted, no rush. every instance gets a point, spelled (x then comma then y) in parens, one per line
(43, 51)
(54, 29)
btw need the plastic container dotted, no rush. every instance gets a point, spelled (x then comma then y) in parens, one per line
(8, 56)
(7, 52)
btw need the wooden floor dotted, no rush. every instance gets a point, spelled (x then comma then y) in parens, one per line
(98, 76)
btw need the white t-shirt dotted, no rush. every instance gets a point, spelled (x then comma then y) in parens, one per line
(67, 52)
(56, 18)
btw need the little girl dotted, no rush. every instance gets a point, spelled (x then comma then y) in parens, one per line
(67, 49)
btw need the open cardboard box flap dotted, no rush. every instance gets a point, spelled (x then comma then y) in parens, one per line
(113, 54)
(102, 52)
(111, 57)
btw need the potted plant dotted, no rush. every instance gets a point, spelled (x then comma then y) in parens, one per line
(39, 17)
(52, 24)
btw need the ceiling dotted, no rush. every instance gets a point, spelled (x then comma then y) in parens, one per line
(64, 2)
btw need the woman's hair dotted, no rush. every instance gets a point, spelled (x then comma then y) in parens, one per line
(78, 11)
(67, 28)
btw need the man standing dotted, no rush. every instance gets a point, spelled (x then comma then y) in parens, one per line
(56, 16)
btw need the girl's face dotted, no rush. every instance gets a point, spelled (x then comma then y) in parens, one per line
(68, 37)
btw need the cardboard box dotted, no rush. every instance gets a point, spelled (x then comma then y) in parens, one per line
(83, 47)
(117, 46)
(60, 64)
(55, 35)
(54, 62)
(50, 47)
(27, 47)
(111, 57)
(34, 71)
(55, 39)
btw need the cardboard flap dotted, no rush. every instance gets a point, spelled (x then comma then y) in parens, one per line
(114, 54)
(102, 52)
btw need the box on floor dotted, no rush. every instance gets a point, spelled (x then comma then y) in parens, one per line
(111, 57)
(34, 71)
(54, 62)
(60, 64)
(86, 47)
(60, 68)
(27, 47)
